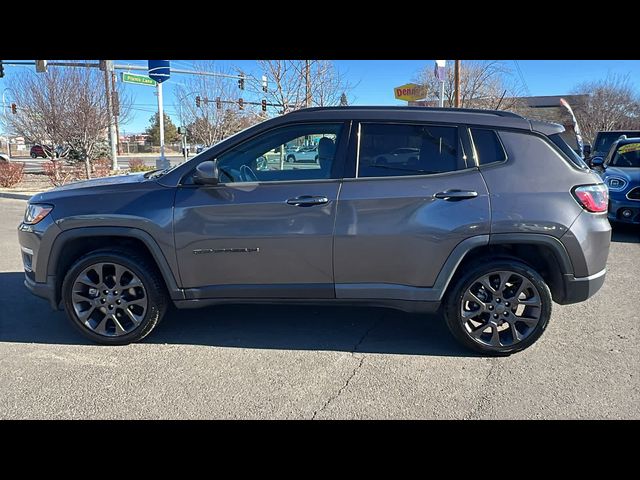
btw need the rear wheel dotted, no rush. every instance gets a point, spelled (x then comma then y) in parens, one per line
(291, 159)
(498, 307)
(34, 155)
(114, 297)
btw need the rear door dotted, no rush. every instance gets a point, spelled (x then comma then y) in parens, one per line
(400, 217)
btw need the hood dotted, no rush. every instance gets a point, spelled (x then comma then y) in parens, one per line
(631, 175)
(104, 183)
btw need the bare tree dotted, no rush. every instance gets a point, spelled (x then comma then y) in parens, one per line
(66, 107)
(328, 85)
(287, 83)
(212, 121)
(611, 104)
(483, 84)
(286, 80)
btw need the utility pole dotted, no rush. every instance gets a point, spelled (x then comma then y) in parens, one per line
(116, 112)
(457, 87)
(108, 68)
(307, 74)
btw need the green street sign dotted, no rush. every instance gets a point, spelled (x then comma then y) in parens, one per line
(139, 79)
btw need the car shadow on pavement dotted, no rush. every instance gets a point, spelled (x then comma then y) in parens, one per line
(625, 233)
(28, 319)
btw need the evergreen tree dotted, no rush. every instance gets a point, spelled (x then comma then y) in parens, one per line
(170, 130)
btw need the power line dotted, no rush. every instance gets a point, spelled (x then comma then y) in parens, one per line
(526, 87)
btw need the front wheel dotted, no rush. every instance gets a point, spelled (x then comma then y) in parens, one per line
(114, 297)
(498, 307)
(291, 159)
(34, 155)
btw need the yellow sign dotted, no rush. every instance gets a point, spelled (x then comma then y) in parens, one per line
(629, 147)
(409, 92)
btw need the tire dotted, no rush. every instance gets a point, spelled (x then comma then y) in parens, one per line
(34, 155)
(151, 293)
(316, 159)
(501, 310)
(291, 159)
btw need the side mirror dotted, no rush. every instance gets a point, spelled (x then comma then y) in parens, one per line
(597, 162)
(206, 173)
(586, 150)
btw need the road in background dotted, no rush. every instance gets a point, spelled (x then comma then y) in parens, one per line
(318, 362)
(34, 165)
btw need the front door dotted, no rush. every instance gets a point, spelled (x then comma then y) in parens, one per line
(266, 230)
(416, 195)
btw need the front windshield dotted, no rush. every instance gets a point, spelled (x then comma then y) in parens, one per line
(627, 156)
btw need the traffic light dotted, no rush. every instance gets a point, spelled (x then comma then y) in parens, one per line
(14, 108)
(218, 103)
(1, 69)
(198, 101)
(264, 84)
(241, 82)
(264, 105)
(241, 104)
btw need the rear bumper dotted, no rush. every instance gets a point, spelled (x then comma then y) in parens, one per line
(579, 289)
(44, 290)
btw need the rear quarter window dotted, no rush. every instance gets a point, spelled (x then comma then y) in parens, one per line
(488, 146)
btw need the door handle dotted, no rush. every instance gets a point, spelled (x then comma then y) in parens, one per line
(307, 201)
(452, 195)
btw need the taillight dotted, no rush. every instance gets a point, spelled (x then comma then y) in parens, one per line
(593, 198)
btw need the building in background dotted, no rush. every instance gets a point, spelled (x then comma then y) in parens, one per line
(546, 108)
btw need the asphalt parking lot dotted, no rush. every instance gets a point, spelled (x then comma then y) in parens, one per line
(280, 362)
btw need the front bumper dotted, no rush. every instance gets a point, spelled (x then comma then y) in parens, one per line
(35, 245)
(44, 290)
(616, 207)
(579, 289)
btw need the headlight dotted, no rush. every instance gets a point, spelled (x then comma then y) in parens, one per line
(36, 212)
(616, 183)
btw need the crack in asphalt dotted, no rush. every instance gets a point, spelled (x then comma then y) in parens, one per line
(353, 353)
(484, 392)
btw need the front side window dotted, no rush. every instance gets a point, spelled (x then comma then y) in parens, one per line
(299, 152)
(396, 150)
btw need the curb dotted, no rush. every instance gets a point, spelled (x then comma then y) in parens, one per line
(18, 195)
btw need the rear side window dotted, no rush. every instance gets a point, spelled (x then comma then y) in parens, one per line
(388, 150)
(489, 149)
(559, 142)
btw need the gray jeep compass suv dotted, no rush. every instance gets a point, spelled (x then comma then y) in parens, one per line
(487, 215)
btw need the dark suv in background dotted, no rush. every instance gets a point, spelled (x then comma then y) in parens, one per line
(484, 214)
(603, 143)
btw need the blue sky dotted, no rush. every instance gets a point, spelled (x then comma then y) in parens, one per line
(375, 80)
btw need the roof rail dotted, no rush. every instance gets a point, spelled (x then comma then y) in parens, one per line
(498, 113)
